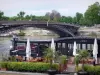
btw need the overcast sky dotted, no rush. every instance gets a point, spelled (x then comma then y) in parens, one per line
(40, 7)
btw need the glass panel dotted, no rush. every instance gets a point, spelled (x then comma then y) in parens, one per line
(59, 45)
(78, 47)
(63, 45)
(83, 46)
(88, 46)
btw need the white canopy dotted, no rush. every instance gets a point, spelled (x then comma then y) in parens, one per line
(95, 49)
(28, 49)
(53, 47)
(74, 48)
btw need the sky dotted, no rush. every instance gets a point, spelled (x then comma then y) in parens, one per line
(40, 7)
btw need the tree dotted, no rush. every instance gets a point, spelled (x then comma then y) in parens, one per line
(62, 19)
(92, 14)
(63, 62)
(5, 18)
(69, 19)
(1, 15)
(78, 16)
(74, 20)
(83, 54)
(77, 59)
(21, 15)
(27, 17)
(48, 54)
(65, 19)
(33, 17)
(82, 21)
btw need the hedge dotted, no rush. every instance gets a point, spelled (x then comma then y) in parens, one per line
(92, 70)
(28, 66)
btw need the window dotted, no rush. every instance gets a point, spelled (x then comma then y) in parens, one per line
(21, 46)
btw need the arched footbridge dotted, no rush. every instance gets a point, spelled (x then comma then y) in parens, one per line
(63, 29)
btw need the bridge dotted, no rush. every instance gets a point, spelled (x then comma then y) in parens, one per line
(63, 29)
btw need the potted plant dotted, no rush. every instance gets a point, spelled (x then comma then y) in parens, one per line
(76, 60)
(48, 54)
(63, 62)
(83, 54)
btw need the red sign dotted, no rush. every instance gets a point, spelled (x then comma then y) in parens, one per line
(20, 47)
(32, 46)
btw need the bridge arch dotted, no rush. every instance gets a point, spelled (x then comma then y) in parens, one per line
(62, 29)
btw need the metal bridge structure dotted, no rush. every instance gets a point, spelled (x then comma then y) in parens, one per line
(62, 29)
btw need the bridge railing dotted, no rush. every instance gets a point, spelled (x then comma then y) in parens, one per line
(35, 22)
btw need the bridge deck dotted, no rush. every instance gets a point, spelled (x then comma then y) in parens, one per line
(35, 22)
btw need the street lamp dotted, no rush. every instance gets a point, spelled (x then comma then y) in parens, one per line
(47, 22)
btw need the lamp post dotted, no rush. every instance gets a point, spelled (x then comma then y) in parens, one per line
(47, 23)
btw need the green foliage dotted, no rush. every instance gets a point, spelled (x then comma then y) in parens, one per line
(78, 68)
(21, 34)
(89, 18)
(65, 19)
(57, 55)
(3, 64)
(21, 15)
(92, 14)
(12, 58)
(4, 57)
(74, 20)
(92, 70)
(28, 66)
(77, 59)
(83, 54)
(78, 16)
(1, 15)
(48, 54)
(63, 59)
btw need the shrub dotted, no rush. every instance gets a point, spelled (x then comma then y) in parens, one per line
(63, 59)
(83, 55)
(21, 34)
(89, 69)
(29, 66)
(12, 58)
(76, 60)
(92, 70)
(3, 64)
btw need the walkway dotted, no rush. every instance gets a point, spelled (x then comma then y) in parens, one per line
(71, 68)
(19, 73)
(26, 73)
